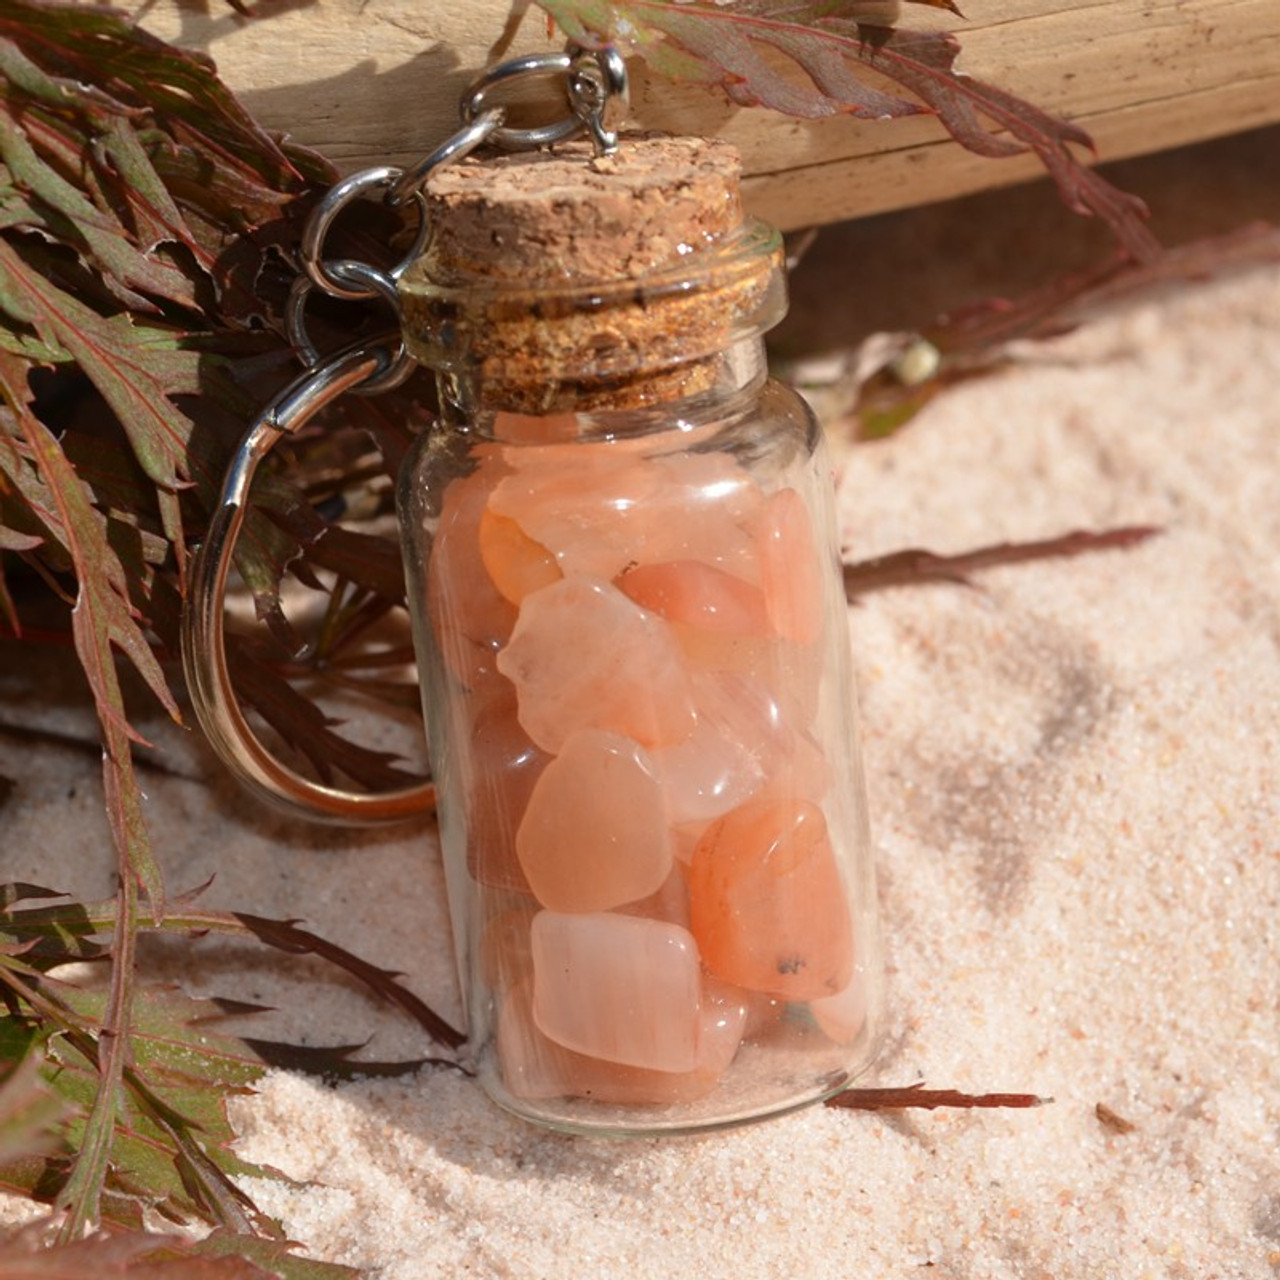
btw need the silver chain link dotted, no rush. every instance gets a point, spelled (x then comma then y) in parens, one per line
(595, 87)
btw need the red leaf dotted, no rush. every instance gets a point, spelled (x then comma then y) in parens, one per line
(724, 45)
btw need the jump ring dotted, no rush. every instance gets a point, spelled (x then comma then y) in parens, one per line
(373, 284)
(534, 64)
(317, 267)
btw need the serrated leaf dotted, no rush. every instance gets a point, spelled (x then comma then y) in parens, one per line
(145, 1255)
(306, 727)
(101, 620)
(29, 1109)
(184, 917)
(65, 212)
(123, 362)
(835, 48)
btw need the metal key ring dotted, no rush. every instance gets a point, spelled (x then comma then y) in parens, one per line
(204, 651)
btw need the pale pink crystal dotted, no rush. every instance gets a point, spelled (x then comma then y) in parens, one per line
(728, 756)
(618, 987)
(743, 746)
(790, 571)
(603, 509)
(791, 671)
(534, 1066)
(798, 770)
(594, 835)
(583, 656)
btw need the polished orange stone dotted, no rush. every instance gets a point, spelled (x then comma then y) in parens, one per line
(594, 835)
(583, 656)
(698, 594)
(470, 618)
(767, 905)
(618, 987)
(791, 572)
(515, 563)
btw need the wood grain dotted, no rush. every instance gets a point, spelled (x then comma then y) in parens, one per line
(371, 81)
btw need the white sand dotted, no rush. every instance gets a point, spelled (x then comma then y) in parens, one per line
(1073, 771)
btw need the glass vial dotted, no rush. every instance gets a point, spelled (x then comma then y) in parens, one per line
(621, 554)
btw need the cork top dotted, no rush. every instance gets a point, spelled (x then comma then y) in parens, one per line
(556, 217)
(564, 280)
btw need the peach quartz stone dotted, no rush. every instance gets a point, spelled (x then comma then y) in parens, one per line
(535, 1066)
(594, 834)
(583, 656)
(604, 508)
(767, 906)
(621, 988)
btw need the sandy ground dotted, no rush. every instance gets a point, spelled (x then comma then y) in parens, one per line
(1073, 770)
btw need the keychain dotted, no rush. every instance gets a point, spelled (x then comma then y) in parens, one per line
(621, 560)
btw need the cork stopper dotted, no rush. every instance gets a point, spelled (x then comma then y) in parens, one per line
(569, 215)
(558, 280)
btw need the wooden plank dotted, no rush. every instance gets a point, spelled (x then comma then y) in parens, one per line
(373, 81)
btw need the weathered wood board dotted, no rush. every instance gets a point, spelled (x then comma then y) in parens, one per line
(368, 81)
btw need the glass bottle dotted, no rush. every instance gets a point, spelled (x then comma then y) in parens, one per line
(622, 558)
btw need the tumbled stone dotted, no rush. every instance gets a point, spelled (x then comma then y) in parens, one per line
(603, 508)
(791, 672)
(515, 563)
(594, 835)
(618, 987)
(583, 656)
(535, 1067)
(729, 754)
(698, 594)
(767, 904)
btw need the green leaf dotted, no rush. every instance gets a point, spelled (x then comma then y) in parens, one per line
(184, 917)
(29, 1110)
(131, 369)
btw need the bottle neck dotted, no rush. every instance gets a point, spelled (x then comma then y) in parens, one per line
(680, 397)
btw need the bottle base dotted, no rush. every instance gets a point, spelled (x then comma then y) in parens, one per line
(759, 1087)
